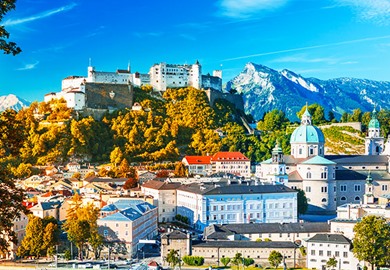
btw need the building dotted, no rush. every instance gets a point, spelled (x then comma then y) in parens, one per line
(222, 162)
(214, 251)
(290, 232)
(208, 203)
(164, 197)
(163, 76)
(127, 222)
(19, 227)
(198, 165)
(322, 247)
(328, 180)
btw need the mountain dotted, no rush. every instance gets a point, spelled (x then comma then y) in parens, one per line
(264, 89)
(13, 102)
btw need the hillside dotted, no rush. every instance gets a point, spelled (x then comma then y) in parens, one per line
(264, 89)
(343, 140)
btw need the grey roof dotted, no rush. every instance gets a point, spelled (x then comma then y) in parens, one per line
(248, 189)
(175, 234)
(358, 159)
(330, 238)
(361, 175)
(246, 244)
(223, 231)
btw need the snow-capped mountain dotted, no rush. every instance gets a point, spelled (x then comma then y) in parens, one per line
(13, 102)
(264, 89)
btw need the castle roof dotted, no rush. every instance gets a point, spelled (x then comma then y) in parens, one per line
(307, 134)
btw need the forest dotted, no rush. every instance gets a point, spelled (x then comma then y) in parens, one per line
(179, 123)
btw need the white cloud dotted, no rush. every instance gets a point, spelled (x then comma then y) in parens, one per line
(247, 8)
(377, 11)
(39, 16)
(29, 66)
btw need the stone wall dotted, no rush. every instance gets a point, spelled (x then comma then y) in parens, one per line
(108, 96)
(235, 99)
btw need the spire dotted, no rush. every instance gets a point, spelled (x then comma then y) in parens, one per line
(369, 178)
(306, 116)
(374, 123)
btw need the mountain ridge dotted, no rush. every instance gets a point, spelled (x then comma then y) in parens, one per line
(12, 101)
(264, 89)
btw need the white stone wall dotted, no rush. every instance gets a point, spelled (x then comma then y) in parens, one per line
(70, 83)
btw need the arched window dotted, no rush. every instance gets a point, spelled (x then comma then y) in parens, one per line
(343, 199)
(357, 198)
(308, 175)
(323, 200)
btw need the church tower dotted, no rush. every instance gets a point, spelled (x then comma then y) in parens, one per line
(374, 143)
(279, 174)
(368, 197)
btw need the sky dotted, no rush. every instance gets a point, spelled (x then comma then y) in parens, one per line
(322, 38)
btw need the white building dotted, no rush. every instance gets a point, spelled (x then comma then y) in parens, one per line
(322, 247)
(328, 180)
(163, 76)
(198, 165)
(231, 162)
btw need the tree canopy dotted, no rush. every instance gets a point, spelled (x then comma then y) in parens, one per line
(372, 241)
(7, 47)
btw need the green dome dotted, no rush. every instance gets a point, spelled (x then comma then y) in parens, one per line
(374, 123)
(307, 134)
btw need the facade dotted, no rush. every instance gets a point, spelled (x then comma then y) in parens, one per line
(127, 222)
(231, 162)
(164, 197)
(19, 227)
(322, 247)
(328, 180)
(205, 204)
(198, 165)
(163, 76)
(290, 232)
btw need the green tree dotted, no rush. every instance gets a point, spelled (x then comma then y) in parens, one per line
(273, 120)
(372, 241)
(237, 259)
(317, 113)
(32, 243)
(248, 261)
(173, 257)
(302, 202)
(331, 117)
(96, 242)
(225, 261)
(331, 263)
(275, 258)
(7, 47)
(356, 115)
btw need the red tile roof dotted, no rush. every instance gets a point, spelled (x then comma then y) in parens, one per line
(229, 156)
(198, 159)
(154, 184)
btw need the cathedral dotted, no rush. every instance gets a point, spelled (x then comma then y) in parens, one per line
(330, 180)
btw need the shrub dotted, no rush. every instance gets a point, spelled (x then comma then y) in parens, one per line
(193, 260)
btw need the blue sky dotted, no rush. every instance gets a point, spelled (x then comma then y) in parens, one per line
(321, 38)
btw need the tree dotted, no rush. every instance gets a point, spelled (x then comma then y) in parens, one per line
(130, 183)
(180, 170)
(7, 47)
(248, 261)
(32, 243)
(275, 258)
(372, 241)
(316, 111)
(78, 233)
(173, 257)
(116, 156)
(331, 263)
(225, 261)
(237, 259)
(96, 242)
(77, 175)
(273, 120)
(50, 238)
(302, 202)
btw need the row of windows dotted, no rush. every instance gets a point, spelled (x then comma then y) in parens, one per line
(328, 253)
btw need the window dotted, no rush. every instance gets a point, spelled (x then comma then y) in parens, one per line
(337, 254)
(105, 233)
(308, 189)
(329, 253)
(214, 208)
(343, 188)
(324, 189)
(116, 225)
(308, 175)
(357, 198)
(324, 175)
(321, 253)
(357, 188)
(384, 187)
(323, 200)
(343, 199)
(345, 254)
(311, 151)
(313, 252)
